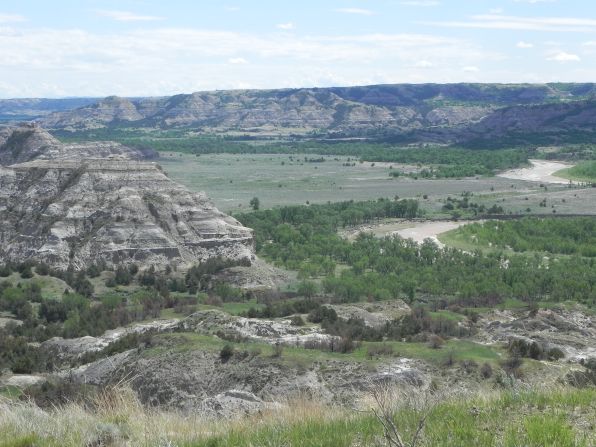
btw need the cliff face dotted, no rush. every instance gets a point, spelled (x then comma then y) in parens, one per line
(72, 213)
(80, 211)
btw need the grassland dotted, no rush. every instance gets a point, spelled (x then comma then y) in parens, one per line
(51, 287)
(232, 180)
(552, 236)
(454, 349)
(583, 172)
(560, 417)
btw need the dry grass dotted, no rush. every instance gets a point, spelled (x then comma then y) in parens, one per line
(561, 417)
(116, 417)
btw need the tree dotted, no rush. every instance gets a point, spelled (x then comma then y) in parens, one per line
(255, 203)
(307, 289)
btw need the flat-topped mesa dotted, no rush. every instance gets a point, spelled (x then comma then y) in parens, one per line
(81, 212)
(30, 142)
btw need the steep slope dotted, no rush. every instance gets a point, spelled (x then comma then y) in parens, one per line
(29, 142)
(79, 213)
(79, 204)
(571, 122)
(110, 110)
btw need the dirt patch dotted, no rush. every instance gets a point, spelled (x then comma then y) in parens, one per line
(540, 171)
(428, 230)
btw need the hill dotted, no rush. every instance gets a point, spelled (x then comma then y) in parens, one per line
(29, 142)
(83, 204)
(444, 113)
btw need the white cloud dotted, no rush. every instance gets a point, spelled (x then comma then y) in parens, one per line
(360, 11)
(237, 60)
(497, 21)
(522, 44)
(423, 64)
(163, 61)
(420, 3)
(496, 11)
(232, 8)
(563, 56)
(285, 26)
(535, 1)
(470, 69)
(8, 18)
(590, 43)
(126, 16)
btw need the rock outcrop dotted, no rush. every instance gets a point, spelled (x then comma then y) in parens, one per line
(76, 205)
(175, 370)
(30, 142)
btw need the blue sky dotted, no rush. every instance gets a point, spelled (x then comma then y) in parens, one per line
(63, 48)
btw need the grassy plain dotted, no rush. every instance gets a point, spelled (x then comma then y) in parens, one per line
(232, 180)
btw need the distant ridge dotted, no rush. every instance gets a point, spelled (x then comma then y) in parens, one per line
(441, 113)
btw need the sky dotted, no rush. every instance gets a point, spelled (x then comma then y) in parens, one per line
(65, 48)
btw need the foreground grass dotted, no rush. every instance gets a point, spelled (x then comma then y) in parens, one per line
(559, 417)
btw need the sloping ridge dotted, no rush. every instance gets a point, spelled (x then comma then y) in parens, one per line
(570, 122)
(80, 211)
(30, 142)
(400, 107)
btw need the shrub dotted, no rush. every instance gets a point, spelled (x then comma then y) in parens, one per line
(512, 365)
(346, 345)
(450, 359)
(469, 366)
(486, 371)
(322, 313)
(297, 320)
(555, 354)
(213, 300)
(93, 271)
(226, 353)
(42, 269)
(122, 276)
(277, 350)
(26, 273)
(435, 342)
(379, 350)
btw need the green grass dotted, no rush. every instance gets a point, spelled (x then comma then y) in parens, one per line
(560, 417)
(448, 315)
(51, 288)
(232, 180)
(530, 235)
(583, 172)
(240, 308)
(10, 392)
(456, 349)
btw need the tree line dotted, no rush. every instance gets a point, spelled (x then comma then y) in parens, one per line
(306, 239)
